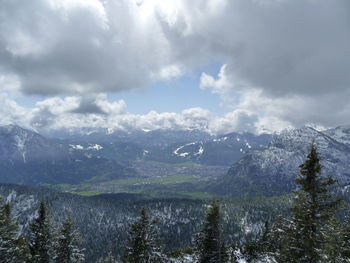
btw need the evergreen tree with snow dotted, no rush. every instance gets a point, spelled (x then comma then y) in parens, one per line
(301, 236)
(13, 247)
(69, 239)
(345, 239)
(210, 246)
(143, 242)
(43, 238)
(333, 248)
(109, 258)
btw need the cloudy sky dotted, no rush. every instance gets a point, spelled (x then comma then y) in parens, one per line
(218, 65)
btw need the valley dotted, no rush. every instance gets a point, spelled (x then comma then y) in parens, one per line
(103, 181)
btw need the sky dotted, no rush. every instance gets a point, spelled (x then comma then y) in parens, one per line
(215, 65)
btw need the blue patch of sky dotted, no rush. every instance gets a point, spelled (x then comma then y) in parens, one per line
(174, 95)
(28, 101)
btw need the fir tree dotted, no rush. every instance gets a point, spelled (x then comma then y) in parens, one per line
(143, 242)
(300, 237)
(43, 239)
(69, 239)
(13, 247)
(210, 246)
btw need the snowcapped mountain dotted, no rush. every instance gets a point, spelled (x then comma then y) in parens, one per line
(274, 169)
(221, 150)
(29, 158)
(144, 138)
(340, 133)
(21, 145)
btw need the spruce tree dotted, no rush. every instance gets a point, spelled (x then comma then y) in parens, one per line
(143, 242)
(69, 239)
(301, 239)
(13, 247)
(43, 238)
(210, 246)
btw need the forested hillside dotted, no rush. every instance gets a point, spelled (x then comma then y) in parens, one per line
(104, 222)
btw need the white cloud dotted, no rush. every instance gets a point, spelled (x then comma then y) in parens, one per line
(12, 113)
(284, 62)
(61, 113)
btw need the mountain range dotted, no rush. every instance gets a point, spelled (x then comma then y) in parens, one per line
(29, 158)
(273, 170)
(264, 164)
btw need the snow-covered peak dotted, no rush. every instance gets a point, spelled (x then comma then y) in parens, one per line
(18, 144)
(340, 133)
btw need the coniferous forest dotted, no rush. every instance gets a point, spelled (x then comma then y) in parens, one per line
(313, 228)
(174, 131)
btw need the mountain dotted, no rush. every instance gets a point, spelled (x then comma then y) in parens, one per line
(273, 170)
(29, 158)
(221, 150)
(144, 138)
(21, 145)
(340, 133)
(168, 146)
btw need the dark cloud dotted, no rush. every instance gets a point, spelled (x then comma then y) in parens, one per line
(88, 105)
(295, 53)
(76, 46)
(284, 47)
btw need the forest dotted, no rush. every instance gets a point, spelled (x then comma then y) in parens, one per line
(315, 228)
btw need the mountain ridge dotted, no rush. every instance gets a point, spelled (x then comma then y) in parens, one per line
(273, 170)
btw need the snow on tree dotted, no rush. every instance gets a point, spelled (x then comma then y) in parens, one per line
(69, 239)
(300, 238)
(43, 241)
(13, 247)
(144, 245)
(210, 245)
(109, 258)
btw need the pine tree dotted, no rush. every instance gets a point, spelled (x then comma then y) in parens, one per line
(13, 247)
(210, 246)
(143, 242)
(43, 238)
(69, 239)
(300, 237)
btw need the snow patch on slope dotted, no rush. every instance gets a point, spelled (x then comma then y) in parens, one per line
(96, 147)
(200, 151)
(176, 152)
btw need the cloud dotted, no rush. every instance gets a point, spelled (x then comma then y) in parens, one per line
(285, 62)
(284, 47)
(12, 113)
(58, 113)
(255, 110)
(76, 47)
